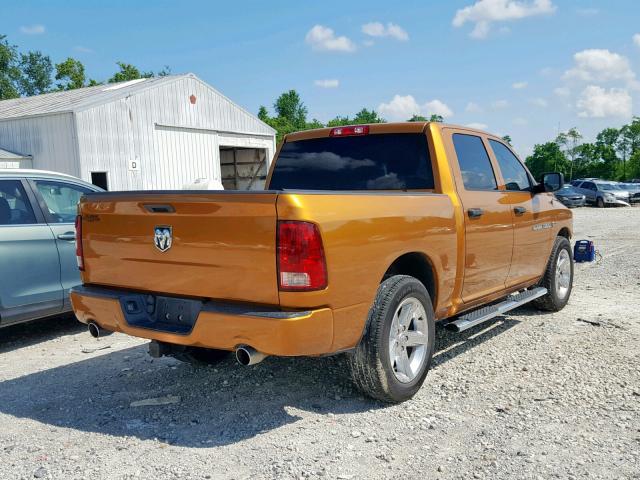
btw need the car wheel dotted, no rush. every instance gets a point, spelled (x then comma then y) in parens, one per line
(600, 202)
(558, 277)
(393, 357)
(201, 356)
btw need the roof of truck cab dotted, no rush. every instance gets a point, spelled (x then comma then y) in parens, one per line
(378, 128)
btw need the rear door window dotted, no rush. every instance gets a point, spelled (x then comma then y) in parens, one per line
(368, 162)
(15, 208)
(475, 165)
(514, 174)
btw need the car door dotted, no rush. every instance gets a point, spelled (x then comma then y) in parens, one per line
(59, 201)
(29, 265)
(532, 216)
(590, 191)
(488, 222)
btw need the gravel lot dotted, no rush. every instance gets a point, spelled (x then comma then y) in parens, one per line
(529, 395)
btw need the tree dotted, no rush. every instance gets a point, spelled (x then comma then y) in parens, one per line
(436, 118)
(418, 118)
(289, 107)
(367, 116)
(70, 74)
(128, 72)
(36, 70)
(569, 140)
(9, 70)
(339, 121)
(547, 157)
(507, 138)
(363, 116)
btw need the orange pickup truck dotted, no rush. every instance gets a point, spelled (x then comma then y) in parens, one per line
(364, 237)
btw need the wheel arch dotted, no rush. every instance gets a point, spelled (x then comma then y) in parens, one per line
(564, 232)
(417, 265)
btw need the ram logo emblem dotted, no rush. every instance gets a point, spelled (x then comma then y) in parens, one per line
(163, 237)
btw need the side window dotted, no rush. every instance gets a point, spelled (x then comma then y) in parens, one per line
(61, 199)
(15, 208)
(475, 166)
(514, 174)
(589, 186)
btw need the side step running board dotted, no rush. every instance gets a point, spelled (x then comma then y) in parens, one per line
(487, 313)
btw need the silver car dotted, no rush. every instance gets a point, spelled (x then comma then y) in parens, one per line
(37, 243)
(601, 193)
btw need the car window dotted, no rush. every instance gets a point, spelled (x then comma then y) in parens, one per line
(576, 183)
(391, 161)
(61, 199)
(15, 208)
(589, 185)
(475, 166)
(514, 174)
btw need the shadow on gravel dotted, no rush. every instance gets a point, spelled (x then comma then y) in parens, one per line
(449, 345)
(32, 333)
(216, 406)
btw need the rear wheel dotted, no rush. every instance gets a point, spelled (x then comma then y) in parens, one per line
(558, 277)
(392, 359)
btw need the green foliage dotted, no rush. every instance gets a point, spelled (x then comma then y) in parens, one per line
(615, 155)
(436, 118)
(291, 116)
(36, 70)
(507, 138)
(367, 116)
(418, 118)
(9, 70)
(547, 157)
(129, 72)
(70, 74)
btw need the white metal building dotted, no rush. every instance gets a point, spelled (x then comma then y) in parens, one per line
(169, 132)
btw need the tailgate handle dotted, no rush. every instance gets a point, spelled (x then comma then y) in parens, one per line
(160, 208)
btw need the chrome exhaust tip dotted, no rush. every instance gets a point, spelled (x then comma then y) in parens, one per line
(96, 331)
(246, 355)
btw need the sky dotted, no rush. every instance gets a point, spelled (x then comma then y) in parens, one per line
(526, 68)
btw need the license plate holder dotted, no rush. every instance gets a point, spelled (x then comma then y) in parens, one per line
(166, 314)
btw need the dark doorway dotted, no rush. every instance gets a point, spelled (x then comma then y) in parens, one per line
(99, 179)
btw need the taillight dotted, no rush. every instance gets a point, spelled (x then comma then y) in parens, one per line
(301, 261)
(349, 131)
(79, 250)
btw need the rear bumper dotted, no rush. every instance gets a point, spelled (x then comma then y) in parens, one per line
(220, 326)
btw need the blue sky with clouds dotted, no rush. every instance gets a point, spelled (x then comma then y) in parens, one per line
(518, 67)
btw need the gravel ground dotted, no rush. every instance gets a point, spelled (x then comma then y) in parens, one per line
(529, 395)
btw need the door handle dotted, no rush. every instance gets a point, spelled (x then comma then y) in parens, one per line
(519, 210)
(69, 236)
(474, 212)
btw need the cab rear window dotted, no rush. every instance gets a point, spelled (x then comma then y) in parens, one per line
(368, 162)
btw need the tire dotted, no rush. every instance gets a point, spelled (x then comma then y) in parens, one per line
(600, 202)
(373, 370)
(201, 356)
(558, 278)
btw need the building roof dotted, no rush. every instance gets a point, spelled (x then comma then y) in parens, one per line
(87, 97)
(7, 155)
(78, 99)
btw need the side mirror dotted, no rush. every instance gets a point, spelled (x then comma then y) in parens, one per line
(551, 182)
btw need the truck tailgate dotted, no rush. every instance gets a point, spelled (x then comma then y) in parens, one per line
(222, 243)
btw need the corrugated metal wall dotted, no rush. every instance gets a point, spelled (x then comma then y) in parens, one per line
(49, 139)
(172, 141)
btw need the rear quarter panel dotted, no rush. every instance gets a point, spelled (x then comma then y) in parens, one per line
(362, 235)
